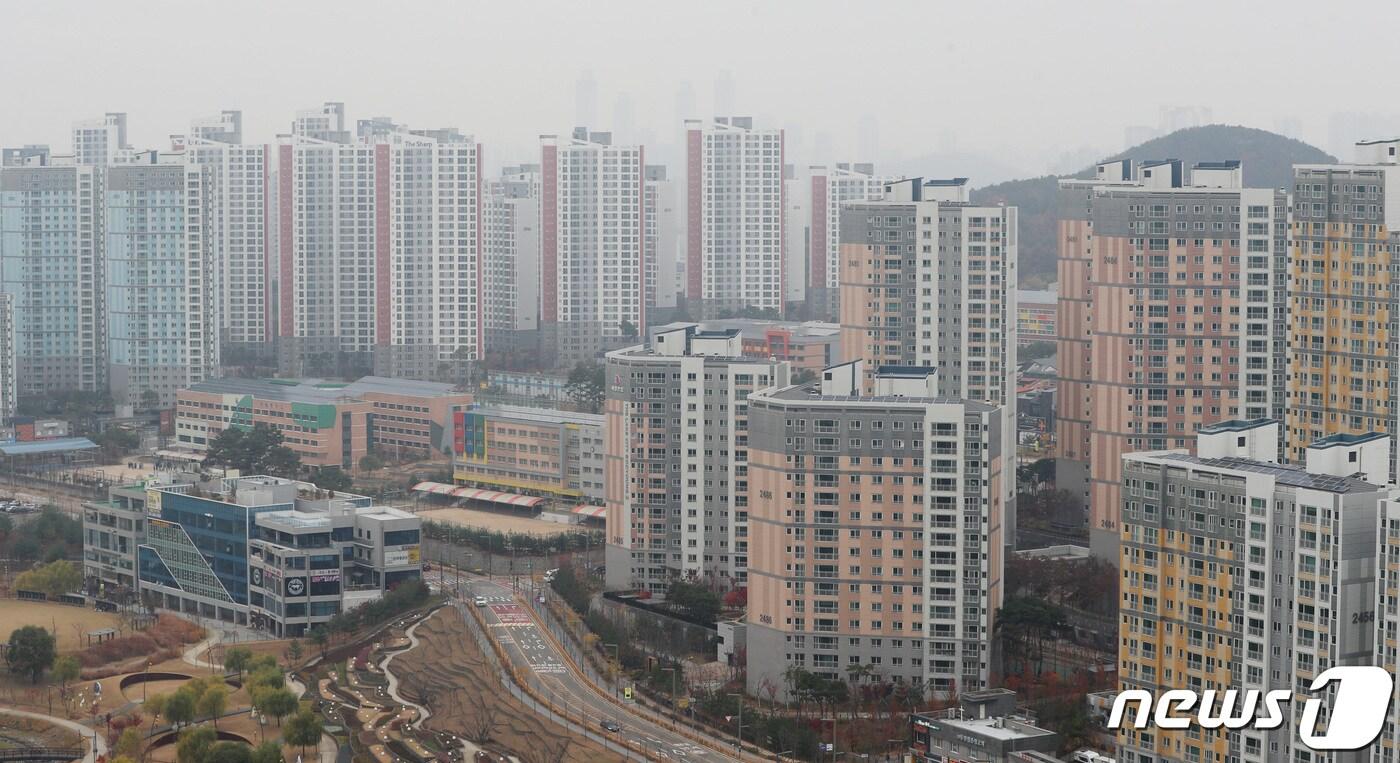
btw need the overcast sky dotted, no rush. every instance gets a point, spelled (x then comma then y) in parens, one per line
(1029, 83)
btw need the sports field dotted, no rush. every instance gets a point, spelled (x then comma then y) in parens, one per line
(506, 523)
(58, 619)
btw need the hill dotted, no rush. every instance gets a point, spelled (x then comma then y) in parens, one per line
(1268, 160)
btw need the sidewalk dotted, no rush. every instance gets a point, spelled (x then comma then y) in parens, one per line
(85, 732)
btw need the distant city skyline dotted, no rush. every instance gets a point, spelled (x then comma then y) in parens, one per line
(1027, 87)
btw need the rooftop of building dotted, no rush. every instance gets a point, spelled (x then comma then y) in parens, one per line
(37, 447)
(758, 328)
(1003, 728)
(1036, 296)
(1344, 438)
(1235, 425)
(539, 415)
(811, 392)
(1283, 474)
(322, 392)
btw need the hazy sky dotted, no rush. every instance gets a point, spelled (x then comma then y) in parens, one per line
(1025, 82)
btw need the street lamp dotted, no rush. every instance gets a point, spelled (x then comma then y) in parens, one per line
(739, 735)
(833, 734)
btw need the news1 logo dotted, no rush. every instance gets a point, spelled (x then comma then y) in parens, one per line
(1355, 721)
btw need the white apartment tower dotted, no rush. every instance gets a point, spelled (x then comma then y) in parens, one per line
(676, 465)
(734, 214)
(833, 186)
(51, 268)
(161, 336)
(379, 241)
(511, 259)
(236, 199)
(592, 224)
(100, 142)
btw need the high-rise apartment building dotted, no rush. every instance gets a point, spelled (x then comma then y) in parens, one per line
(875, 530)
(100, 142)
(9, 391)
(1240, 573)
(1171, 317)
(379, 241)
(593, 271)
(51, 266)
(161, 337)
(676, 473)
(511, 259)
(1344, 298)
(665, 237)
(832, 187)
(734, 215)
(236, 209)
(928, 279)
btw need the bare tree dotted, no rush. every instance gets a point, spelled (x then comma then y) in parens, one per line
(481, 724)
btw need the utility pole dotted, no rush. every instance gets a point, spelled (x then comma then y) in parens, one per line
(739, 735)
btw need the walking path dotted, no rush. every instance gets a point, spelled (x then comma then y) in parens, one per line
(85, 732)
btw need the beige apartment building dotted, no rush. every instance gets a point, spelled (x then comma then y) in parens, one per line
(1171, 318)
(876, 534)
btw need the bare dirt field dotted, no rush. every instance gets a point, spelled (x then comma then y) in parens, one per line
(506, 523)
(58, 619)
(465, 696)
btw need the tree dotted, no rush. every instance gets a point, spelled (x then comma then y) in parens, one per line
(303, 729)
(53, 579)
(194, 744)
(31, 649)
(320, 638)
(1024, 623)
(180, 707)
(213, 702)
(237, 659)
(129, 743)
(255, 451)
(331, 478)
(294, 651)
(116, 442)
(628, 329)
(587, 386)
(155, 704)
(66, 669)
(267, 752)
(278, 703)
(371, 462)
(228, 752)
(804, 376)
(150, 399)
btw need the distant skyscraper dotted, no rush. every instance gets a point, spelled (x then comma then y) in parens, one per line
(51, 266)
(99, 142)
(236, 206)
(1344, 298)
(592, 227)
(726, 95)
(586, 99)
(160, 332)
(1171, 317)
(734, 211)
(928, 279)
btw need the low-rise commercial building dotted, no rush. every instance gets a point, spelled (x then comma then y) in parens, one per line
(985, 728)
(264, 551)
(534, 451)
(331, 424)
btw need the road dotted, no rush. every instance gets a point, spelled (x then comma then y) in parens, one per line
(512, 625)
